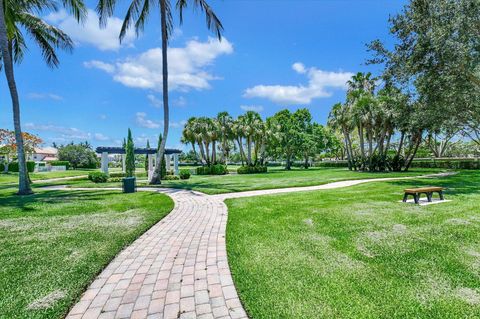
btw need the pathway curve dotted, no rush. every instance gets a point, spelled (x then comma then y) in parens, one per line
(178, 268)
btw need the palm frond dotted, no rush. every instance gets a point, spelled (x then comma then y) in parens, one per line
(77, 8)
(47, 37)
(105, 10)
(213, 22)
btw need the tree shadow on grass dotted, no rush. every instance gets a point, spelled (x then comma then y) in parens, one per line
(34, 202)
(463, 183)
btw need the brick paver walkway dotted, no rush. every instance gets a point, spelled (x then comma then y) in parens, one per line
(177, 269)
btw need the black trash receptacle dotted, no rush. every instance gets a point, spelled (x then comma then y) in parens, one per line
(129, 185)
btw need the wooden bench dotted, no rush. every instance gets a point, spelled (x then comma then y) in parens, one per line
(415, 192)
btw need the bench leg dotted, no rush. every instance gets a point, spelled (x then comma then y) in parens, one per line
(405, 197)
(416, 198)
(440, 193)
(429, 196)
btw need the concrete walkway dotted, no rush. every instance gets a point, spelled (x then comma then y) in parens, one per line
(178, 268)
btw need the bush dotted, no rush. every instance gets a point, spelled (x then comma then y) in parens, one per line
(251, 169)
(60, 163)
(2, 167)
(118, 174)
(98, 177)
(331, 164)
(217, 169)
(115, 179)
(448, 163)
(13, 166)
(184, 174)
(171, 178)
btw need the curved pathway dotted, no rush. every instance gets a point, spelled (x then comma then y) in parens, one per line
(178, 268)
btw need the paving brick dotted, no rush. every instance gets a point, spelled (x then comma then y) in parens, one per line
(178, 268)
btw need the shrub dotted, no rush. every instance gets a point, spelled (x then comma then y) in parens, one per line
(118, 174)
(115, 179)
(13, 166)
(184, 174)
(98, 177)
(217, 169)
(251, 169)
(60, 163)
(78, 155)
(171, 178)
(448, 163)
(331, 164)
(2, 167)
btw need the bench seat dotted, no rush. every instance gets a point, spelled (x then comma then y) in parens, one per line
(416, 192)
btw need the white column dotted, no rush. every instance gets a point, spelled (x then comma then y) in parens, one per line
(167, 162)
(104, 162)
(175, 163)
(124, 163)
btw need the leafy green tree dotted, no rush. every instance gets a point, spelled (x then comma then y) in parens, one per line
(16, 18)
(130, 156)
(79, 155)
(137, 14)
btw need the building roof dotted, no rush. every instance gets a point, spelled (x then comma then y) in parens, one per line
(121, 150)
(52, 151)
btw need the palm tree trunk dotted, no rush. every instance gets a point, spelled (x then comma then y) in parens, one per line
(202, 152)
(214, 152)
(157, 174)
(23, 179)
(249, 151)
(240, 146)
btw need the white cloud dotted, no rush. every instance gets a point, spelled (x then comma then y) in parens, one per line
(255, 108)
(318, 83)
(94, 64)
(299, 67)
(100, 137)
(63, 132)
(142, 121)
(90, 32)
(154, 100)
(44, 96)
(181, 101)
(187, 66)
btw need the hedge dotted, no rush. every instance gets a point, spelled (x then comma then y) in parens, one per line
(60, 163)
(251, 169)
(217, 169)
(98, 177)
(449, 164)
(420, 163)
(13, 166)
(2, 167)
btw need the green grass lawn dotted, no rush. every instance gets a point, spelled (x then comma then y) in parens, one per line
(11, 178)
(53, 244)
(359, 253)
(276, 178)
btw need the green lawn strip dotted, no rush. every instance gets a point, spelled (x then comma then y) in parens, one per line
(11, 178)
(54, 243)
(275, 178)
(358, 253)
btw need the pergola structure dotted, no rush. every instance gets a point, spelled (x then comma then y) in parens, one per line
(150, 152)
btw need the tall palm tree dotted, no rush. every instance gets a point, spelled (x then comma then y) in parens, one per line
(224, 126)
(17, 16)
(137, 14)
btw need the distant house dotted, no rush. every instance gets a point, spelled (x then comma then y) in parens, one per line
(44, 154)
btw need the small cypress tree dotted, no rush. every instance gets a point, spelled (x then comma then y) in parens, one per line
(146, 157)
(163, 164)
(130, 156)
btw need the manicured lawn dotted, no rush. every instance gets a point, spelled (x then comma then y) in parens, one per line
(11, 178)
(359, 253)
(54, 243)
(276, 178)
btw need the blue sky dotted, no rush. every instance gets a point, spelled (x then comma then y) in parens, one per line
(275, 55)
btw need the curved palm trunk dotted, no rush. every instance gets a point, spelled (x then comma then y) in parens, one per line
(240, 146)
(202, 152)
(214, 152)
(249, 151)
(23, 179)
(157, 174)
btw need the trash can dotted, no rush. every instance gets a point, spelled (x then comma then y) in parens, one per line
(129, 185)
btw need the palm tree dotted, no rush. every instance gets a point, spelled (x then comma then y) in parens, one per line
(137, 14)
(224, 126)
(17, 16)
(339, 119)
